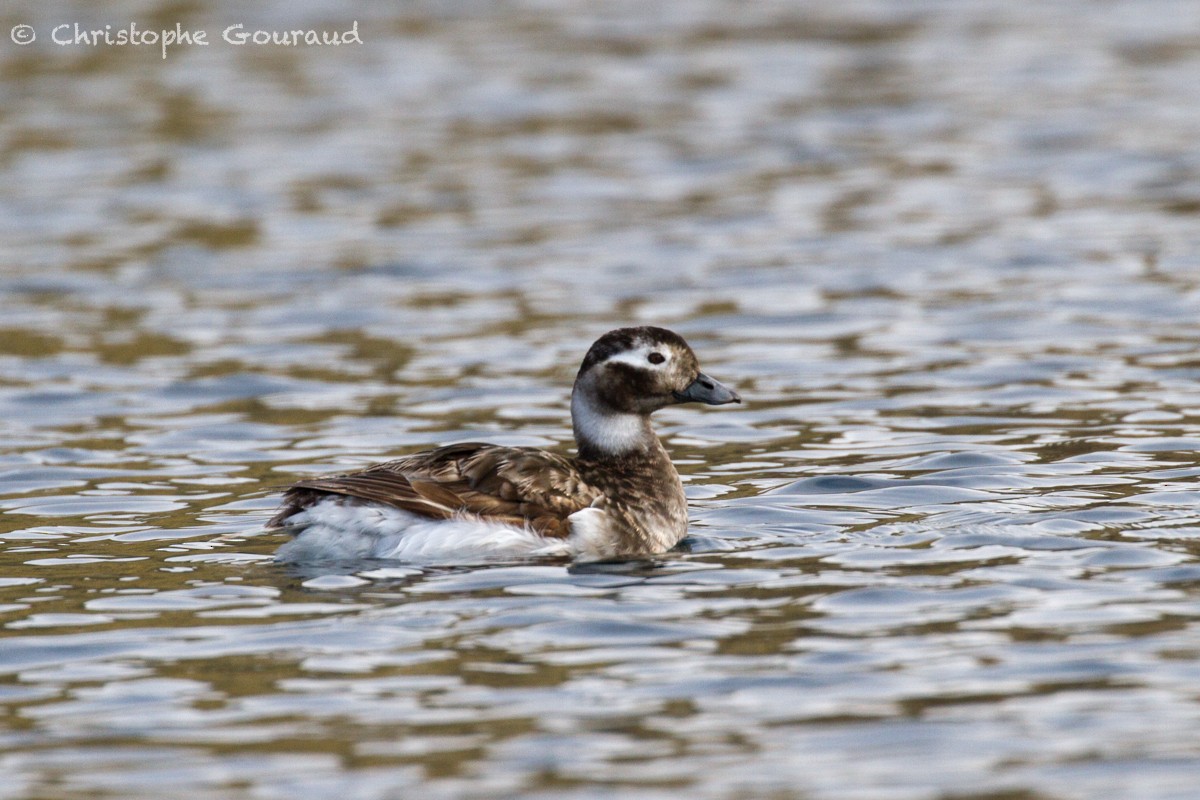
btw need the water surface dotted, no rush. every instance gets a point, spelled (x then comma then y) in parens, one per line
(947, 549)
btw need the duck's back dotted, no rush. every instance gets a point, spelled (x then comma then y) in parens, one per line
(454, 501)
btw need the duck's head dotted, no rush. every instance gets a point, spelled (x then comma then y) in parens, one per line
(630, 373)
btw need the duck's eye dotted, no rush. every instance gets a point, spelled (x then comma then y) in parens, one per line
(656, 358)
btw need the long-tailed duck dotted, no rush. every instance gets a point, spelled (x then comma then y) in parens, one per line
(620, 496)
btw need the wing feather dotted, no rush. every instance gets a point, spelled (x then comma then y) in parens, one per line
(514, 485)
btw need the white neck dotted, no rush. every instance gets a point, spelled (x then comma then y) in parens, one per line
(612, 433)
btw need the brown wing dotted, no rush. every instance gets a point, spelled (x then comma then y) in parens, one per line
(516, 485)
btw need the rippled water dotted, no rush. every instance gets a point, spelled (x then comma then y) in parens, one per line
(946, 251)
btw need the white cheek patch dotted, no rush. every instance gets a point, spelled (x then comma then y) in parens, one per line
(640, 357)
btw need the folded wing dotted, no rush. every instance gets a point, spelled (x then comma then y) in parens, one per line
(512, 485)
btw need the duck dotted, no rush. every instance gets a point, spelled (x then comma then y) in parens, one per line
(618, 497)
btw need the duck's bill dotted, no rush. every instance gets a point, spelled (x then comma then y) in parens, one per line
(707, 390)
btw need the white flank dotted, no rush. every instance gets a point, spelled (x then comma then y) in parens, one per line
(339, 531)
(590, 538)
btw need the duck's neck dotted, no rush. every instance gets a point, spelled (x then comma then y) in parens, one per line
(603, 434)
